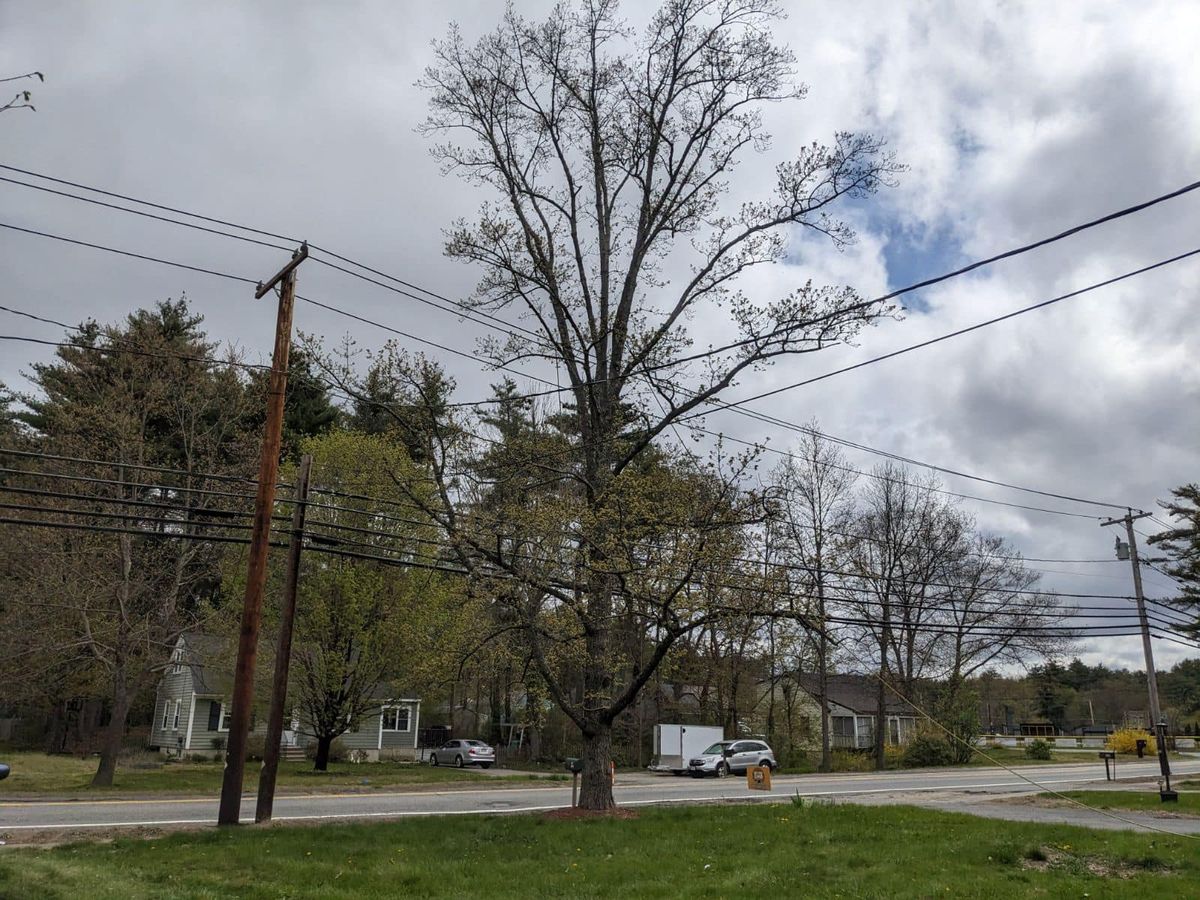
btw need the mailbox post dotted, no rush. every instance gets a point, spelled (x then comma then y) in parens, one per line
(1106, 755)
(1165, 792)
(574, 766)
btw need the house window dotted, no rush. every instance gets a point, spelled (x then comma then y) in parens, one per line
(177, 660)
(395, 718)
(175, 724)
(166, 714)
(217, 716)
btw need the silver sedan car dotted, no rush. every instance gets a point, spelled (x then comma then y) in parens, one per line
(463, 753)
(725, 757)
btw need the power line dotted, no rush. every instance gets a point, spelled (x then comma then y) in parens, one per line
(1016, 251)
(152, 354)
(138, 212)
(892, 295)
(328, 384)
(961, 331)
(928, 603)
(325, 543)
(128, 253)
(752, 414)
(181, 212)
(250, 482)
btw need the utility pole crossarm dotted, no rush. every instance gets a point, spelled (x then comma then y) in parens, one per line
(298, 257)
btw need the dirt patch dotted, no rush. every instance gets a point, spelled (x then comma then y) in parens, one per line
(574, 812)
(55, 837)
(1045, 858)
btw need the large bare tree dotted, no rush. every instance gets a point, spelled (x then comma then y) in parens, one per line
(608, 157)
(816, 490)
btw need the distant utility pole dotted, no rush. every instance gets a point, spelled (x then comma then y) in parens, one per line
(260, 537)
(283, 652)
(1157, 722)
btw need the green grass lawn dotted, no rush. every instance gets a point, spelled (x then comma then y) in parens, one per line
(39, 773)
(774, 851)
(1145, 800)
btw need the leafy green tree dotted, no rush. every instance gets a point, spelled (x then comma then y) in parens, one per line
(1052, 696)
(107, 597)
(375, 622)
(400, 396)
(1181, 686)
(956, 707)
(308, 409)
(1182, 545)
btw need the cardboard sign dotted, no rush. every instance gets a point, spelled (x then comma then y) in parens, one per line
(758, 778)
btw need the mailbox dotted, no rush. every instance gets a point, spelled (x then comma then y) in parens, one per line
(4, 770)
(573, 765)
(1107, 755)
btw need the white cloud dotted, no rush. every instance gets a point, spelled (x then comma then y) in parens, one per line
(1016, 122)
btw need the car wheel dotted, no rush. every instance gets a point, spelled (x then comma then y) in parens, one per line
(766, 764)
(722, 770)
(458, 761)
(433, 759)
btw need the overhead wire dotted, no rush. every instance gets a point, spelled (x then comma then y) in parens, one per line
(777, 565)
(251, 483)
(925, 283)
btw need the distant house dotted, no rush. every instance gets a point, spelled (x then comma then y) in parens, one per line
(191, 709)
(853, 703)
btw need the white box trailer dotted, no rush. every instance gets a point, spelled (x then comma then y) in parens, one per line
(674, 745)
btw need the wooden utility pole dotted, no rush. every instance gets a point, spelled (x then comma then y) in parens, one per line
(260, 537)
(283, 652)
(1157, 724)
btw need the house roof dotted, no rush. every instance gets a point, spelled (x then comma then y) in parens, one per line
(198, 651)
(859, 693)
(210, 658)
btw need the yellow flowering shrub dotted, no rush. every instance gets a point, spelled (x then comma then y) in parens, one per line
(1125, 740)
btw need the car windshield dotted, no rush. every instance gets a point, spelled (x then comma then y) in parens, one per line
(716, 748)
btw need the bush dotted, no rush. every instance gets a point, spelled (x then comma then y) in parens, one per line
(218, 744)
(1038, 750)
(849, 761)
(337, 751)
(1125, 741)
(927, 750)
(256, 746)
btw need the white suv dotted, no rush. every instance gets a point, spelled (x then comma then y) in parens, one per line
(725, 757)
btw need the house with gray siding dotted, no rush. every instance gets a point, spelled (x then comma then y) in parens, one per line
(853, 703)
(191, 707)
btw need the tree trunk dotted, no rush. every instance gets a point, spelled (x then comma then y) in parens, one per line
(595, 789)
(495, 714)
(114, 734)
(321, 764)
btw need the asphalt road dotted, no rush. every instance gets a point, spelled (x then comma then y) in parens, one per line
(632, 789)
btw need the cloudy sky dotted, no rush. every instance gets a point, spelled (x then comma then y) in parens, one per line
(1016, 121)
